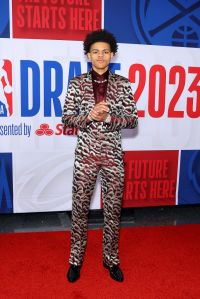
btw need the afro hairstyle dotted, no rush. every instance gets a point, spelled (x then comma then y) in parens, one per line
(100, 35)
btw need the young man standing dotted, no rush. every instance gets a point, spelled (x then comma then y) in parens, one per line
(100, 104)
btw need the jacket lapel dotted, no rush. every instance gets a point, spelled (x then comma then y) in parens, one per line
(111, 89)
(87, 89)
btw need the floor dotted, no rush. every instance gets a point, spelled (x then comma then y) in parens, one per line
(60, 221)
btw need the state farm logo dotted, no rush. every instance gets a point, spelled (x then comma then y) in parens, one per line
(45, 129)
(6, 108)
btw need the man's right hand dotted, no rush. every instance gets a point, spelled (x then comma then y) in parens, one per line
(99, 112)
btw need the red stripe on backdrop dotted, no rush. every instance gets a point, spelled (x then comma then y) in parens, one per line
(158, 262)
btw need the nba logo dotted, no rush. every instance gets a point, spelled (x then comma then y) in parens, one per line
(6, 108)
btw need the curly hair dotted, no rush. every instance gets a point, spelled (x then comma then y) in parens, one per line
(100, 35)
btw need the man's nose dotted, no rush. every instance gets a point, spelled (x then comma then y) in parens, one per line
(100, 54)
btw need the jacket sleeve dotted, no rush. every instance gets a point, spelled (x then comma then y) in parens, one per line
(71, 116)
(129, 115)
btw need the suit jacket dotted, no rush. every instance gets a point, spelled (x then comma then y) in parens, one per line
(99, 137)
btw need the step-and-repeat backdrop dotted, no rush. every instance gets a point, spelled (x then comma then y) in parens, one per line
(41, 50)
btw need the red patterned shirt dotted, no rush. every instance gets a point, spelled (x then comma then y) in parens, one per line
(100, 83)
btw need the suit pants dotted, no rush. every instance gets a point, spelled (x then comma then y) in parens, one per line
(112, 181)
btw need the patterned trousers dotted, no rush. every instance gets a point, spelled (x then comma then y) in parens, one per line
(112, 180)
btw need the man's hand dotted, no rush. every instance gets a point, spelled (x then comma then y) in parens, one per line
(99, 112)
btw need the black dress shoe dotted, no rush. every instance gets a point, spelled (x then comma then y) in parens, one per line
(73, 273)
(115, 272)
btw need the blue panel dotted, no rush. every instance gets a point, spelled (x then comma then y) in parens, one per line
(153, 22)
(4, 19)
(3, 111)
(189, 179)
(6, 183)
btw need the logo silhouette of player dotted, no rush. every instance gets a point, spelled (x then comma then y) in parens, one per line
(4, 89)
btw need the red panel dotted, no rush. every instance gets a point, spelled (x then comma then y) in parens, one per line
(50, 19)
(150, 178)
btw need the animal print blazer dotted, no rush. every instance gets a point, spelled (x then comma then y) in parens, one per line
(80, 100)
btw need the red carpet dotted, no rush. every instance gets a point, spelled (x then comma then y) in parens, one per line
(158, 263)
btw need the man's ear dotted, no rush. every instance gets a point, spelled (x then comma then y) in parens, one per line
(88, 56)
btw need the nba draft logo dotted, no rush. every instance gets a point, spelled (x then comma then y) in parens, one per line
(4, 19)
(167, 22)
(5, 87)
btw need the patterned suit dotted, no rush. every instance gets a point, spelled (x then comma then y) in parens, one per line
(98, 150)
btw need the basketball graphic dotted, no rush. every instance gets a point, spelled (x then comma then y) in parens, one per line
(173, 23)
(185, 36)
(189, 178)
(194, 171)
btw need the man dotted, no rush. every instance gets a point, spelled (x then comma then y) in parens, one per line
(100, 104)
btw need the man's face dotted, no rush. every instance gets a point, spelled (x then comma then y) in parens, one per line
(100, 55)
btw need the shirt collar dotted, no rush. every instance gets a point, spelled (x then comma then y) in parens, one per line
(99, 77)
